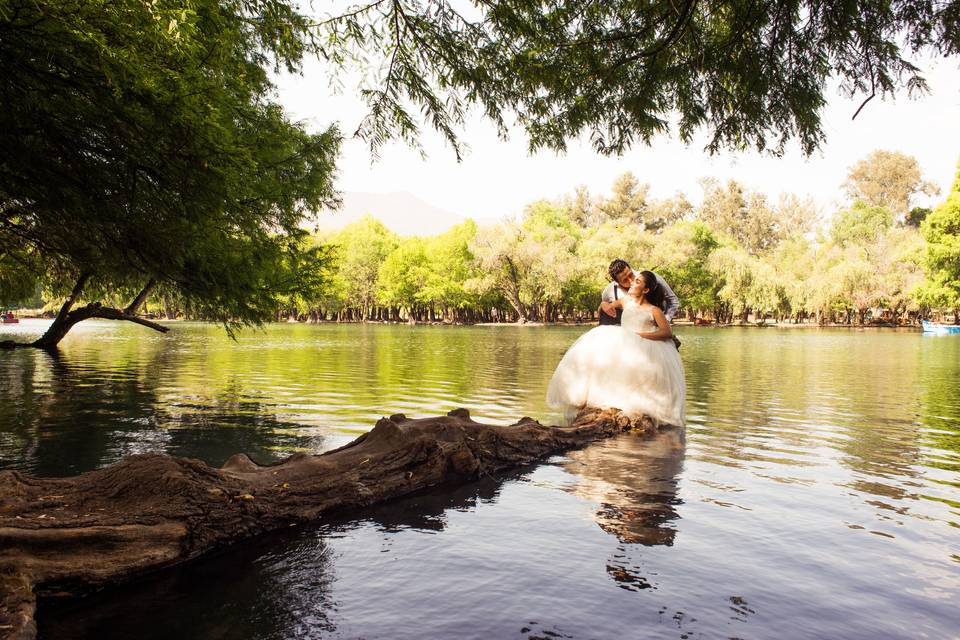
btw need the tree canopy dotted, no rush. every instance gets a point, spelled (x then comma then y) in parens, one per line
(751, 74)
(941, 229)
(738, 254)
(888, 179)
(140, 148)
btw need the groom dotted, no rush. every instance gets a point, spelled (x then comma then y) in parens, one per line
(623, 277)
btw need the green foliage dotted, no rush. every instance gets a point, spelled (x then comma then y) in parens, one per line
(901, 269)
(937, 295)
(887, 179)
(552, 261)
(451, 264)
(860, 223)
(402, 278)
(743, 216)
(362, 248)
(19, 276)
(941, 230)
(663, 213)
(628, 202)
(735, 269)
(140, 144)
(795, 264)
(736, 257)
(750, 74)
(682, 255)
(916, 216)
(530, 263)
(429, 273)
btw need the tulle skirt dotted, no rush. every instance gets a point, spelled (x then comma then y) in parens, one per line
(611, 367)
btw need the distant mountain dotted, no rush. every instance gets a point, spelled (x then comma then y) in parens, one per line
(401, 212)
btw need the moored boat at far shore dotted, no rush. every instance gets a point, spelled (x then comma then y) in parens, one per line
(936, 327)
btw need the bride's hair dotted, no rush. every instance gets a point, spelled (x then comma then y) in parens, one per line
(654, 294)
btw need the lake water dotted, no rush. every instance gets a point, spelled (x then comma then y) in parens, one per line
(817, 494)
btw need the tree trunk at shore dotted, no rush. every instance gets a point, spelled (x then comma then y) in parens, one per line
(68, 536)
(67, 318)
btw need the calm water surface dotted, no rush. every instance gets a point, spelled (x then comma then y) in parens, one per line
(817, 494)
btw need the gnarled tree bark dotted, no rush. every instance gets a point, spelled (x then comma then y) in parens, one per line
(67, 536)
(67, 317)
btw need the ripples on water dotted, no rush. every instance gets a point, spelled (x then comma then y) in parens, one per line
(817, 493)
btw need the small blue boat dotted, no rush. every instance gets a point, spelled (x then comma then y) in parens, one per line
(933, 327)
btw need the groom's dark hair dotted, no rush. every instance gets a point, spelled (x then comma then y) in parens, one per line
(616, 268)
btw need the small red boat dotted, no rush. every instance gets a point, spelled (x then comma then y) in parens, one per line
(7, 317)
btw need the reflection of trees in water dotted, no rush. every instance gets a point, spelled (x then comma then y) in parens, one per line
(940, 402)
(65, 417)
(18, 438)
(776, 397)
(68, 416)
(738, 386)
(213, 429)
(884, 403)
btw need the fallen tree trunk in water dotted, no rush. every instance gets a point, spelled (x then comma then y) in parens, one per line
(68, 536)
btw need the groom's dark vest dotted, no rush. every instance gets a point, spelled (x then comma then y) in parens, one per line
(608, 319)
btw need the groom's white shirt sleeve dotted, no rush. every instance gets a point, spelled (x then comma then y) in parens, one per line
(607, 295)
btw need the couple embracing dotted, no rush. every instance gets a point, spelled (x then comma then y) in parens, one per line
(633, 365)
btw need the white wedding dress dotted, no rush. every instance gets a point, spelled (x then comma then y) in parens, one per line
(613, 367)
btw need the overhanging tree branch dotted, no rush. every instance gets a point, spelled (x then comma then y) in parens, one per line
(109, 313)
(134, 305)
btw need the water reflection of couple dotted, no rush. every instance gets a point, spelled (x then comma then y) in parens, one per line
(634, 367)
(634, 481)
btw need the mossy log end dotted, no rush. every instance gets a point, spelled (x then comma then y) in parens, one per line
(67, 536)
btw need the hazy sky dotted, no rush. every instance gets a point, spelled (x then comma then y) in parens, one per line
(498, 178)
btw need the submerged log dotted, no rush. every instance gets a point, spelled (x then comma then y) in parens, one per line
(68, 536)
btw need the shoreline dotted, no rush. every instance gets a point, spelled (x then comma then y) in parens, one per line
(534, 324)
(687, 324)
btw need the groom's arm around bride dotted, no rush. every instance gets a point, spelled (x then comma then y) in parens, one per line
(622, 278)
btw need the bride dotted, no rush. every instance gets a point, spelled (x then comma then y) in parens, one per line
(634, 367)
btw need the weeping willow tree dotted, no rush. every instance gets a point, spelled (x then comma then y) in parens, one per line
(141, 147)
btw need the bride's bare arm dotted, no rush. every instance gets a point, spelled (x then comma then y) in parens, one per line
(610, 308)
(663, 332)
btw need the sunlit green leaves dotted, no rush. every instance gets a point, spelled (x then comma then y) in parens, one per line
(941, 229)
(751, 74)
(139, 143)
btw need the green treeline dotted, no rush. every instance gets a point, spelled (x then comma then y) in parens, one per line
(736, 256)
(146, 162)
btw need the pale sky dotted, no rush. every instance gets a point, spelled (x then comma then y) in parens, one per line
(498, 178)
